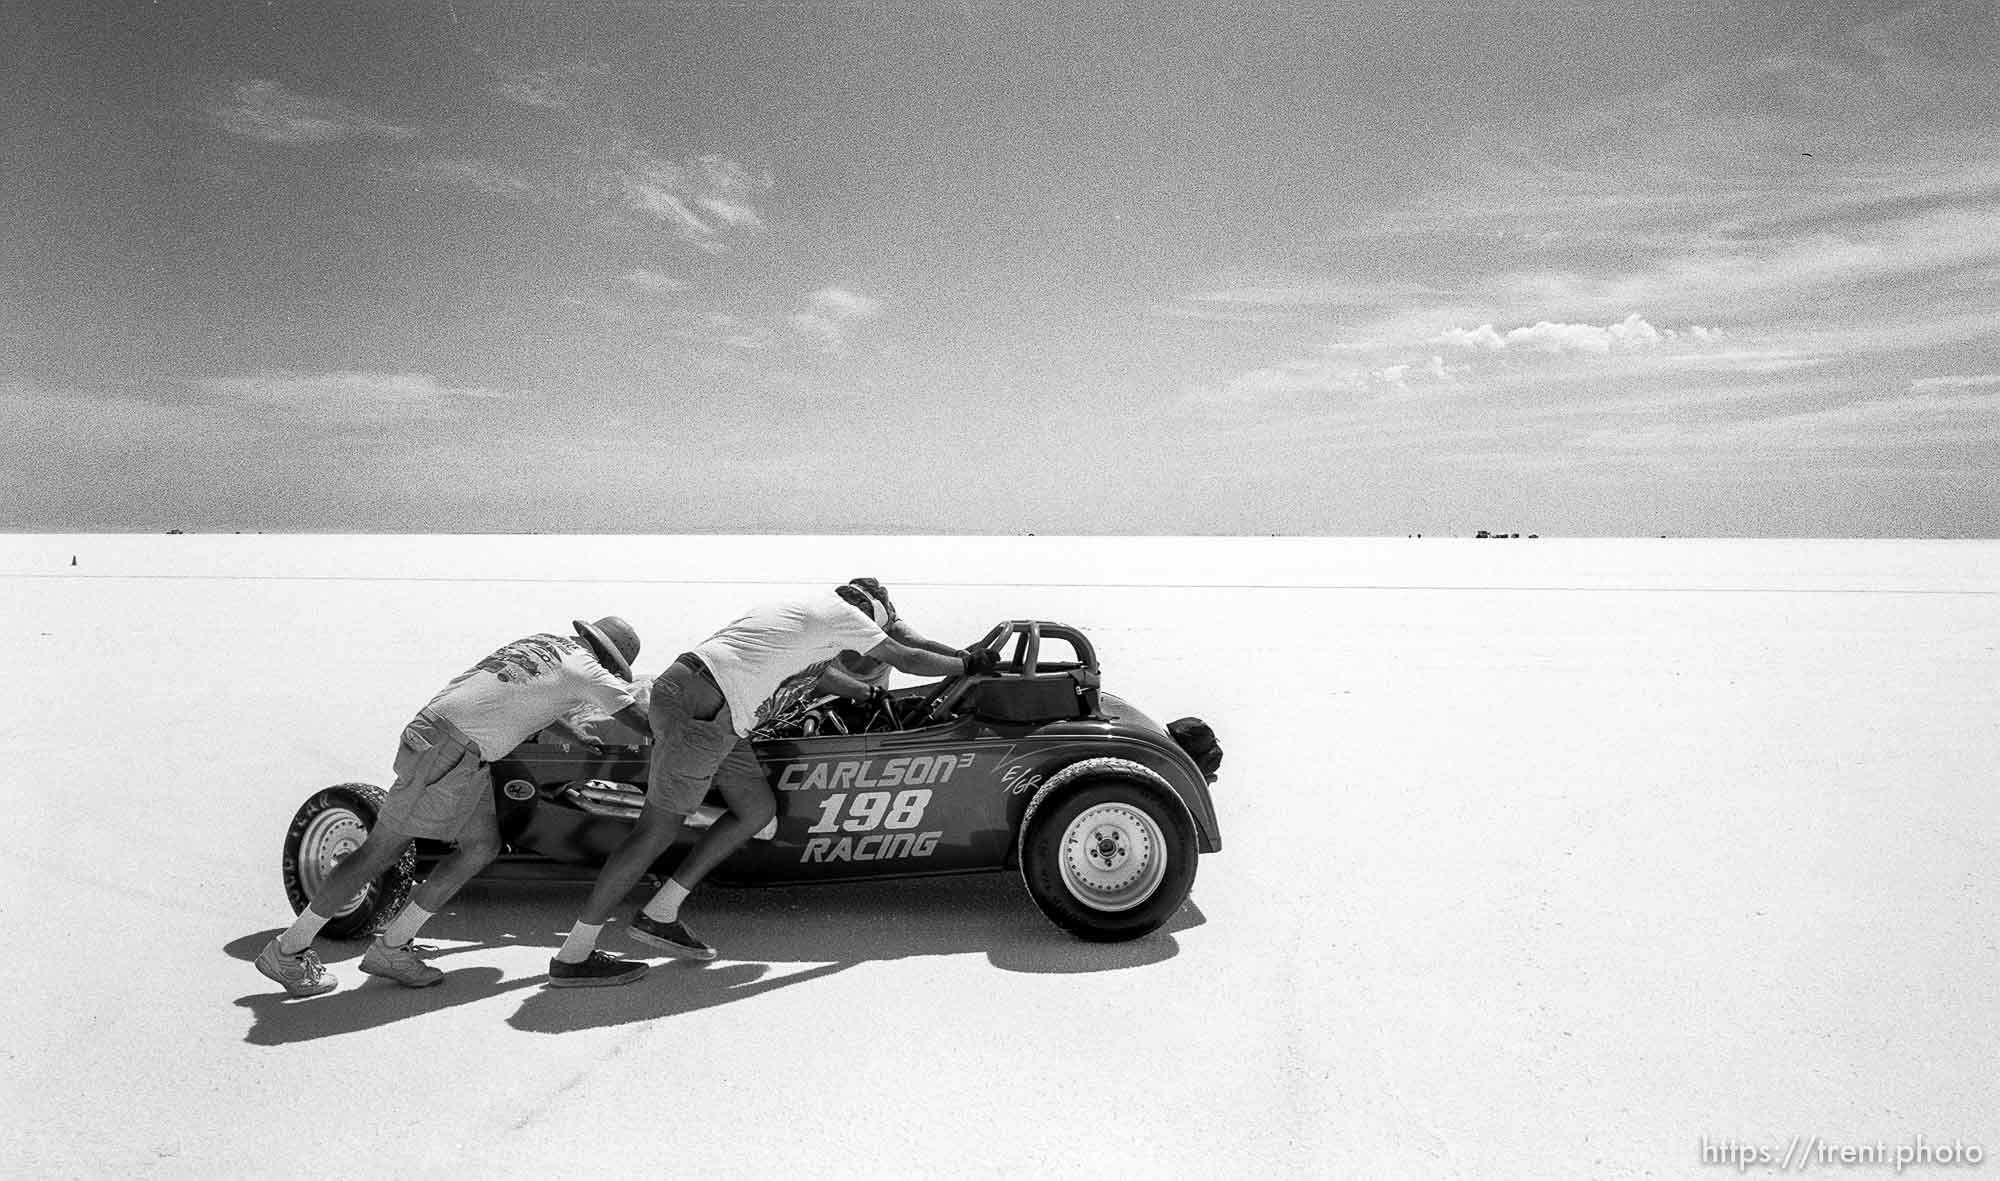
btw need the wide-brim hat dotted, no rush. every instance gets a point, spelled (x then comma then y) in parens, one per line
(873, 588)
(614, 642)
(859, 598)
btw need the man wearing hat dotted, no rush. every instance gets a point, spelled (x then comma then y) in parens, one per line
(702, 710)
(444, 790)
(850, 675)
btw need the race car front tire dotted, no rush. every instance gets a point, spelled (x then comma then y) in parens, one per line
(330, 825)
(1109, 854)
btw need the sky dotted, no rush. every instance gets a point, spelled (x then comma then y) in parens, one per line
(1572, 268)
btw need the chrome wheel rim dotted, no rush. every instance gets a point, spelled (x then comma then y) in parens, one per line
(330, 838)
(1113, 857)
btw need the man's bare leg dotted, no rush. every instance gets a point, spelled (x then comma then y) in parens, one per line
(749, 810)
(751, 806)
(289, 958)
(649, 838)
(350, 877)
(477, 846)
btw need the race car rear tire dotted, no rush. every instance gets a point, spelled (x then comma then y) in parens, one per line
(1109, 855)
(329, 826)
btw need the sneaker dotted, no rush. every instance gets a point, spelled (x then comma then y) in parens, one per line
(673, 938)
(401, 964)
(600, 969)
(301, 974)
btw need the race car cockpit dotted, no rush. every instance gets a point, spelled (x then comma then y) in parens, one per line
(1047, 672)
(1025, 688)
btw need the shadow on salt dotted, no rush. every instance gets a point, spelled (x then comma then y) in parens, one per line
(770, 939)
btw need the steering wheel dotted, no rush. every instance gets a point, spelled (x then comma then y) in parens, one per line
(881, 716)
(927, 709)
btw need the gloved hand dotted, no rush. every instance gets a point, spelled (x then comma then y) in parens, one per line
(981, 662)
(878, 698)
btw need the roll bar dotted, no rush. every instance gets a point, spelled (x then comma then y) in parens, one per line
(1026, 636)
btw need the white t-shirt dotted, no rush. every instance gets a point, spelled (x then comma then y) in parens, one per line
(511, 694)
(771, 641)
(597, 726)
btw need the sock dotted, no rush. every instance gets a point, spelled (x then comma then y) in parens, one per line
(666, 905)
(403, 927)
(299, 936)
(582, 939)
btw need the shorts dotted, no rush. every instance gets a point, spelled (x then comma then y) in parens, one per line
(695, 745)
(441, 784)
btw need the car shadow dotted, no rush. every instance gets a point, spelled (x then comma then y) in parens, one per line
(769, 938)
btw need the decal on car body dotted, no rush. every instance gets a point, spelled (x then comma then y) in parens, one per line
(844, 774)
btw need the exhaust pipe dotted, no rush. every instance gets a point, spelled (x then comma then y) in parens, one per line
(601, 797)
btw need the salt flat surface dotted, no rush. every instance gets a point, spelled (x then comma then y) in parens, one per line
(1541, 859)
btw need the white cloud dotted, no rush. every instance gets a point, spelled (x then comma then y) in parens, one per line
(734, 332)
(1482, 337)
(1192, 308)
(1290, 379)
(730, 212)
(269, 113)
(1410, 376)
(1768, 359)
(1683, 301)
(1332, 374)
(708, 202)
(1443, 372)
(1959, 421)
(1293, 292)
(1971, 382)
(653, 282)
(56, 423)
(1402, 358)
(1928, 418)
(830, 315)
(1730, 275)
(560, 89)
(349, 396)
(531, 90)
(1630, 334)
(704, 200)
(845, 304)
(1283, 297)
(265, 410)
(488, 177)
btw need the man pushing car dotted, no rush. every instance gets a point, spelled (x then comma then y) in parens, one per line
(702, 710)
(444, 789)
(849, 675)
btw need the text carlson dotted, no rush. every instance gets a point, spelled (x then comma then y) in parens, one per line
(861, 774)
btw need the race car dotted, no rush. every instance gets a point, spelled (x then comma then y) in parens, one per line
(1031, 768)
